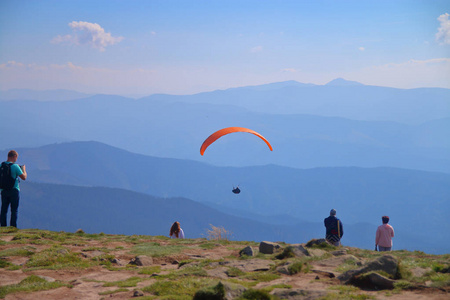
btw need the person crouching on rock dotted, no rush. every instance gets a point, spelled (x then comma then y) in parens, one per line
(176, 232)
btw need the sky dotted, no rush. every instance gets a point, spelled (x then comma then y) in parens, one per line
(138, 48)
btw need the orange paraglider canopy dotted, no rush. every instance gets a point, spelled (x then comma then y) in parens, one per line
(219, 133)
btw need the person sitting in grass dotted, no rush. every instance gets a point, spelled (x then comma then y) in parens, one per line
(176, 232)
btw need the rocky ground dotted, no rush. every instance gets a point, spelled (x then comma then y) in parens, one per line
(37, 264)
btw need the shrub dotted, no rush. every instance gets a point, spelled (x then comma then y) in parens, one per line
(295, 268)
(218, 233)
(255, 294)
(288, 252)
(211, 293)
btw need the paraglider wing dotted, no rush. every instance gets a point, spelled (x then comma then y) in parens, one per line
(213, 137)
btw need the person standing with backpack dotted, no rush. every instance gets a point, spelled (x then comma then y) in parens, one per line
(334, 227)
(10, 172)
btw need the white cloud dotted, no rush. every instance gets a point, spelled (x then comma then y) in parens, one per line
(361, 48)
(443, 34)
(256, 49)
(289, 70)
(85, 33)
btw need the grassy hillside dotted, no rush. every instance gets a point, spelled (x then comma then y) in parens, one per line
(64, 265)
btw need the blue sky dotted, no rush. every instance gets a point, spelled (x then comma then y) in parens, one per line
(183, 47)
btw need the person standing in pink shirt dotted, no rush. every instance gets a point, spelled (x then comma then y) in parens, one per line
(384, 235)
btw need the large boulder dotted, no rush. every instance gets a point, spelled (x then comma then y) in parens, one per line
(373, 281)
(268, 247)
(386, 263)
(248, 251)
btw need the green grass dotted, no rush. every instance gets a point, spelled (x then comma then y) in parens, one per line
(57, 258)
(32, 283)
(346, 292)
(4, 263)
(149, 270)
(255, 295)
(8, 229)
(154, 249)
(22, 251)
(113, 292)
(182, 288)
(130, 282)
(261, 276)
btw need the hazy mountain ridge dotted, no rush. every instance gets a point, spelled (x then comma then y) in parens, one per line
(46, 95)
(308, 195)
(339, 98)
(177, 129)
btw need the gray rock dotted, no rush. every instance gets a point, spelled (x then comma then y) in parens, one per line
(325, 273)
(294, 294)
(249, 265)
(138, 293)
(247, 251)
(385, 263)
(373, 281)
(339, 252)
(142, 260)
(299, 250)
(233, 290)
(223, 290)
(284, 269)
(220, 272)
(315, 242)
(420, 272)
(316, 252)
(117, 262)
(268, 247)
(92, 254)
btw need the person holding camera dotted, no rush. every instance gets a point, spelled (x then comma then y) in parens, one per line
(10, 196)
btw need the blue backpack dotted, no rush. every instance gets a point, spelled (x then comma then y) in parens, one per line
(6, 180)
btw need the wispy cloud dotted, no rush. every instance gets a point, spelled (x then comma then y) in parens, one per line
(289, 70)
(256, 49)
(361, 48)
(443, 34)
(85, 33)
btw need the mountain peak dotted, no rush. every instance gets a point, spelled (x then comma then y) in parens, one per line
(343, 82)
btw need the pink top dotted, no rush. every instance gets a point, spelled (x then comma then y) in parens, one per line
(384, 235)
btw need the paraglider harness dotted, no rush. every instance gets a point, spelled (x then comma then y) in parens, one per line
(236, 190)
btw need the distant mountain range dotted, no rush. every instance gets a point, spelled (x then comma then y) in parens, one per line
(338, 98)
(175, 126)
(359, 195)
(48, 95)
